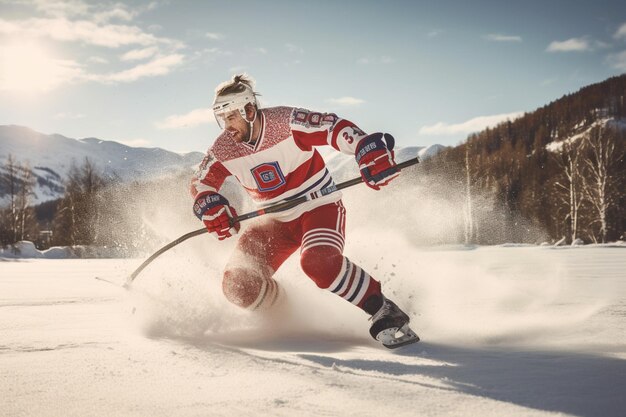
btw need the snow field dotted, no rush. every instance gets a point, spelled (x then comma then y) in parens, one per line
(506, 331)
(71, 346)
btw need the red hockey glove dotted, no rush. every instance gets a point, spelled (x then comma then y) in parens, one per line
(374, 154)
(216, 213)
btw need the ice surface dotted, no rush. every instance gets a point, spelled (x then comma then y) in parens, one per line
(507, 331)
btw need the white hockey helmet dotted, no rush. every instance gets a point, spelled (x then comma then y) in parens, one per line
(227, 103)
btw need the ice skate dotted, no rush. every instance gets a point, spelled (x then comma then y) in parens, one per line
(390, 326)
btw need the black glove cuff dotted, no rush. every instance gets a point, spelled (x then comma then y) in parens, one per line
(208, 201)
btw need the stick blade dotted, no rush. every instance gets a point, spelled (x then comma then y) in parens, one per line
(122, 283)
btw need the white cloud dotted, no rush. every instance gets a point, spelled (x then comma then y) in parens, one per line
(160, 65)
(496, 37)
(214, 36)
(262, 51)
(434, 33)
(621, 32)
(470, 126)
(570, 45)
(618, 61)
(193, 118)
(74, 21)
(99, 12)
(8, 28)
(98, 60)
(90, 24)
(294, 48)
(63, 8)
(212, 52)
(82, 31)
(346, 101)
(139, 54)
(117, 13)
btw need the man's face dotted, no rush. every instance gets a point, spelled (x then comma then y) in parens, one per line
(237, 126)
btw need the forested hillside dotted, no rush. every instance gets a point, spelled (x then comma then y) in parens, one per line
(559, 169)
(557, 174)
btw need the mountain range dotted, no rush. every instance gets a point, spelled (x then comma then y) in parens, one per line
(51, 158)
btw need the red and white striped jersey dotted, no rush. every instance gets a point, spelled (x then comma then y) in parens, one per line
(283, 163)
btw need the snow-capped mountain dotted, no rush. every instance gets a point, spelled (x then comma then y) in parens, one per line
(343, 167)
(581, 130)
(52, 156)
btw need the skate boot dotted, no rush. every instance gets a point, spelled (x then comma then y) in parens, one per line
(390, 326)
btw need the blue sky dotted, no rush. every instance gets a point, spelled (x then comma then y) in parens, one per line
(144, 72)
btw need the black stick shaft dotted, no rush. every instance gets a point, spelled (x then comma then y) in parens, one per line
(271, 209)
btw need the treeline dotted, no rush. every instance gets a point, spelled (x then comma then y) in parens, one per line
(560, 169)
(94, 210)
(556, 174)
(70, 220)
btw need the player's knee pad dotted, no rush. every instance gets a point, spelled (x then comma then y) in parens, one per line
(321, 264)
(249, 289)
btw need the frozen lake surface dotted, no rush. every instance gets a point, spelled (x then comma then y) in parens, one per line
(506, 331)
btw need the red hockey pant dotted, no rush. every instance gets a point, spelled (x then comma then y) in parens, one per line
(263, 247)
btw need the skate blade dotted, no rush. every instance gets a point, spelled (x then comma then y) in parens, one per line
(397, 337)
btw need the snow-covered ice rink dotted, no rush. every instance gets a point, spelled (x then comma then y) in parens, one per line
(506, 331)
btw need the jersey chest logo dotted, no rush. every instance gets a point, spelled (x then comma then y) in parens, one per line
(268, 176)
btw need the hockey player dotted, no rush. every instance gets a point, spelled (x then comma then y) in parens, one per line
(271, 152)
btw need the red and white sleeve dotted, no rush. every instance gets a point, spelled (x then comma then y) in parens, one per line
(209, 177)
(311, 129)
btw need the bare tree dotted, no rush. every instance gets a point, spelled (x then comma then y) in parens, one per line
(568, 184)
(17, 182)
(10, 186)
(601, 160)
(25, 214)
(79, 210)
(468, 209)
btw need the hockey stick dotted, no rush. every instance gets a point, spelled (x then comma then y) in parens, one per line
(271, 209)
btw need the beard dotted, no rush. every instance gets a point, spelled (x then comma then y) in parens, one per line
(241, 135)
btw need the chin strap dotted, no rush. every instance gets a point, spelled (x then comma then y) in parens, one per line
(251, 124)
